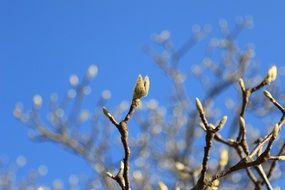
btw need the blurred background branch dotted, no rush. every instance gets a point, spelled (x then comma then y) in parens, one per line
(166, 139)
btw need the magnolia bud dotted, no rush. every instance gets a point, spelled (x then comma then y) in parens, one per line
(109, 174)
(222, 123)
(37, 100)
(122, 165)
(73, 80)
(92, 71)
(271, 75)
(276, 130)
(141, 88)
(180, 166)
(106, 112)
(224, 158)
(267, 94)
(242, 123)
(241, 83)
(162, 186)
(199, 106)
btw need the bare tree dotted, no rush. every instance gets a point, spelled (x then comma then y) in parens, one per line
(10, 180)
(185, 144)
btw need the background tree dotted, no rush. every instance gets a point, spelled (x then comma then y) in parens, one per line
(183, 144)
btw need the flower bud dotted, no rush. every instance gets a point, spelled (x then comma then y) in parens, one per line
(271, 75)
(276, 130)
(92, 71)
(215, 185)
(106, 94)
(106, 112)
(73, 80)
(109, 174)
(222, 123)
(242, 124)
(282, 158)
(162, 186)
(241, 83)
(267, 94)
(122, 165)
(37, 100)
(180, 166)
(141, 88)
(199, 106)
(224, 158)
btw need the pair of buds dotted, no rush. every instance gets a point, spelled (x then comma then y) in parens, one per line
(141, 87)
(205, 125)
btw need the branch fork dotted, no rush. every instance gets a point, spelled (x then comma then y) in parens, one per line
(141, 89)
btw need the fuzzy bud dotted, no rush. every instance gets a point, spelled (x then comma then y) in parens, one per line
(122, 165)
(222, 123)
(224, 158)
(242, 123)
(109, 174)
(267, 94)
(162, 186)
(199, 106)
(276, 130)
(271, 75)
(141, 88)
(106, 112)
(92, 71)
(282, 158)
(215, 185)
(241, 84)
(73, 80)
(180, 166)
(37, 100)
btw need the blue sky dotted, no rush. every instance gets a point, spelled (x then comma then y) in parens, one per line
(43, 42)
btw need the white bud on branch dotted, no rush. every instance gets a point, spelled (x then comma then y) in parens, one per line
(267, 94)
(282, 158)
(106, 112)
(37, 100)
(92, 71)
(242, 123)
(141, 88)
(109, 174)
(241, 83)
(224, 158)
(162, 186)
(180, 166)
(199, 106)
(222, 123)
(276, 130)
(271, 75)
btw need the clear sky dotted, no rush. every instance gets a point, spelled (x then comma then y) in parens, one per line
(43, 42)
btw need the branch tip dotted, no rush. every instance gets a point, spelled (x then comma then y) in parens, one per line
(199, 106)
(267, 94)
(241, 84)
(271, 75)
(141, 87)
(109, 175)
(106, 112)
(222, 123)
(276, 130)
